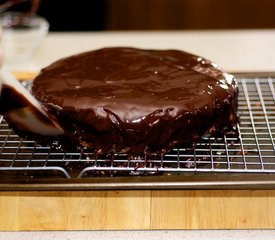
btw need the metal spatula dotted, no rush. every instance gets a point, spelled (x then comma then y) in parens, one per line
(22, 110)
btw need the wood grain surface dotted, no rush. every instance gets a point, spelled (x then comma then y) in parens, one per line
(137, 209)
(24, 75)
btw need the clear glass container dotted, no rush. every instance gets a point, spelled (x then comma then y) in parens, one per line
(21, 36)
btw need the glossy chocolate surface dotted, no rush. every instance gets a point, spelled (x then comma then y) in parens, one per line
(137, 100)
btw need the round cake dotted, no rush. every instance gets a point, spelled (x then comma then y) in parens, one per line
(135, 100)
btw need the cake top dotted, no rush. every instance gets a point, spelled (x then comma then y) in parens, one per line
(132, 82)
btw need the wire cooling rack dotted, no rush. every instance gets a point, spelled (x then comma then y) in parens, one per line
(251, 150)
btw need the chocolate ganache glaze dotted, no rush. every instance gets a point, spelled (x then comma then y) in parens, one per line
(135, 100)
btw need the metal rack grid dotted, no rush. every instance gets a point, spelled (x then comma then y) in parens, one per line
(252, 150)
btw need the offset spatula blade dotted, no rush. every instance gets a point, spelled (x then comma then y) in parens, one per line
(22, 110)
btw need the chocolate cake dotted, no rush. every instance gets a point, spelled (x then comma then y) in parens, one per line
(135, 100)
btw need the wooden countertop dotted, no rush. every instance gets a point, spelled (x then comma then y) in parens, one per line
(147, 209)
